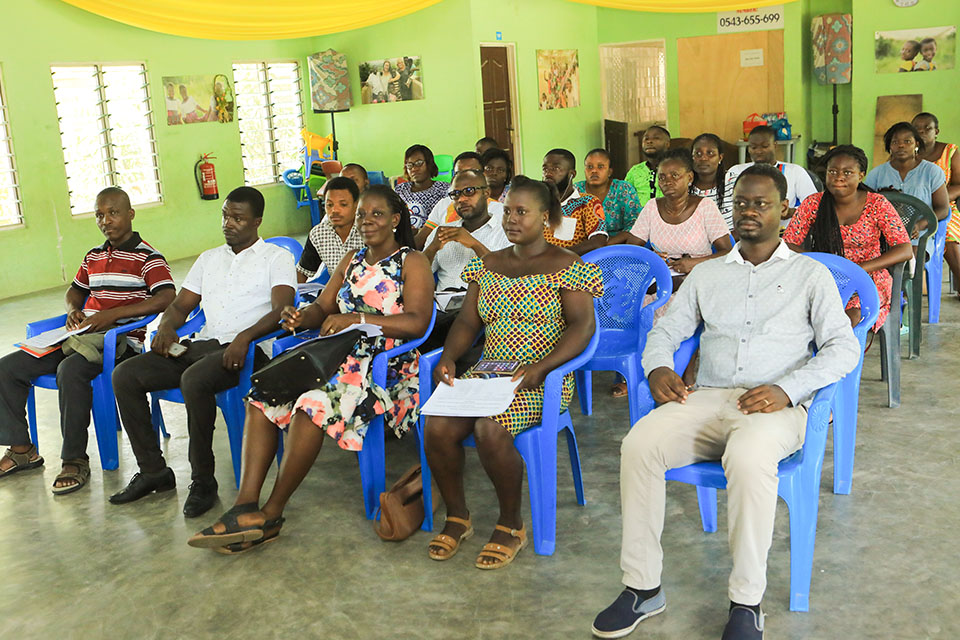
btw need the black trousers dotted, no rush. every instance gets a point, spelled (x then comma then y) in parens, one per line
(74, 375)
(200, 375)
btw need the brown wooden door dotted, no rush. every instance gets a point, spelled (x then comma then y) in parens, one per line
(497, 112)
(615, 140)
(717, 93)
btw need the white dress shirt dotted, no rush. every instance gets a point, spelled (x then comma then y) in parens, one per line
(236, 287)
(759, 324)
(451, 260)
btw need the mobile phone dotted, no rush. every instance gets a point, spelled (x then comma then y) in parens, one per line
(496, 367)
(176, 349)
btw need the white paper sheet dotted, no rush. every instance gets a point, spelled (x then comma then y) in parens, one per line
(566, 230)
(472, 397)
(309, 288)
(370, 330)
(52, 337)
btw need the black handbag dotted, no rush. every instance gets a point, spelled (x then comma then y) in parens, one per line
(302, 368)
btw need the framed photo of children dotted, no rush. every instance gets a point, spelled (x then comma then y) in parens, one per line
(907, 50)
(391, 80)
(558, 78)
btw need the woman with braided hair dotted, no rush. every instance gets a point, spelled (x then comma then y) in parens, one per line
(847, 219)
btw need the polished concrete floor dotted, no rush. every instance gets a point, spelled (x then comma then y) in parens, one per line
(885, 565)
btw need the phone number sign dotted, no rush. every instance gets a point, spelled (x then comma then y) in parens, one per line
(762, 19)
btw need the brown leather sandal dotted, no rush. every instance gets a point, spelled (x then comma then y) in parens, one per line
(22, 461)
(503, 555)
(80, 476)
(449, 544)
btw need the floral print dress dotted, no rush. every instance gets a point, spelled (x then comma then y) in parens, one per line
(523, 318)
(345, 405)
(861, 240)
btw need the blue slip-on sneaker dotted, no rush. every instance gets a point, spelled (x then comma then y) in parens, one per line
(626, 612)
(743, 624)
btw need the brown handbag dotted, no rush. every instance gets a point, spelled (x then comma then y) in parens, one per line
(401, 508)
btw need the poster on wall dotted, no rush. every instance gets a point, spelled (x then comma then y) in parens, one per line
(558, 78)
(329, 84)
(391, 80)
(193, 99)
(930, 49)
(891, 110)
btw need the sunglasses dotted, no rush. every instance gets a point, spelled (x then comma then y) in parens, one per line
(467, 191)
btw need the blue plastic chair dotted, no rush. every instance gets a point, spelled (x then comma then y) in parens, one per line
(850, 279)
(372, 456)
(377, 177)
(288, 243)
(230, 402)
(934, 272)
(106, 421)
(293, 178)
(799, 484)
(628, 272)
(537, 447)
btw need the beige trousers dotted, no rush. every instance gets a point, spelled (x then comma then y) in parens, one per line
(707, 427)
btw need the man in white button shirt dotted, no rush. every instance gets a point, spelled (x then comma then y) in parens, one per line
(762, 307)
(452, 246)
(445, 211)
(243, 286)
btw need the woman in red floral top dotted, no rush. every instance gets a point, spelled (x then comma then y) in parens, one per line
(848, 220)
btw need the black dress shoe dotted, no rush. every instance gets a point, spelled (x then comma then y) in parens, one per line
(142, 484)
(203, 495)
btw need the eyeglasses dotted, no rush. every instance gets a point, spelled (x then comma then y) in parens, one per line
(414, 165)
(846, 173)
(466, 191)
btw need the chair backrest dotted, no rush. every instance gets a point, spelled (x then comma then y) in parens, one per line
(331, 168)
(377, 177)
(287, 243)
(817, 182)
(912, 210)
(851, 279)
(628, 272)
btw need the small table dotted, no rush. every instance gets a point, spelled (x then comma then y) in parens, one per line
(788, 152)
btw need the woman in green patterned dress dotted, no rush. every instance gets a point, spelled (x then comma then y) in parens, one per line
(534, 301)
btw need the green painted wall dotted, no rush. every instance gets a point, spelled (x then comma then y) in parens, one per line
(940, 89)
(46, 250)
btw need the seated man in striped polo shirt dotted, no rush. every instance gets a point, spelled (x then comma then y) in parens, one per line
(122, 279)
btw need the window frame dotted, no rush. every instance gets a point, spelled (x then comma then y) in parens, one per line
(273, 156)
(104, 119)
(6, 137)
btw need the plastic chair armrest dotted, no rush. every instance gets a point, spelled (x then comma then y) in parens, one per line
(818, 415)
(289, 342)
(110, 339)
(39, 326)
(683, 354)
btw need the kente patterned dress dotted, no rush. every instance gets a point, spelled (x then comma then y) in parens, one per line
(861, 240)
(345, 406)
(953, 224)
(523, 318)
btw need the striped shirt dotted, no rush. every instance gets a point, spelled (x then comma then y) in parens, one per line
(117, 276)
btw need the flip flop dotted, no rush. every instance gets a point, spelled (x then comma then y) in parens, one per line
(449, 544)
(501, 554)
(242, 547)
(80, 476)
(234, 533)
(619, 390)
(22, 461)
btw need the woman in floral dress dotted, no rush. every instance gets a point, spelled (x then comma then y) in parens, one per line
(534, 301)
(847, 220)
(386, 283)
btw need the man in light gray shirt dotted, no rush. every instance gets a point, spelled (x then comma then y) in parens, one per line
(763, 309)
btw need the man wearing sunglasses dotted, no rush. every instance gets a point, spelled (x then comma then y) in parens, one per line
(451, 246)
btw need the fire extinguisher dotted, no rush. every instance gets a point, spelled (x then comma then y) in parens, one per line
(206, 176)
